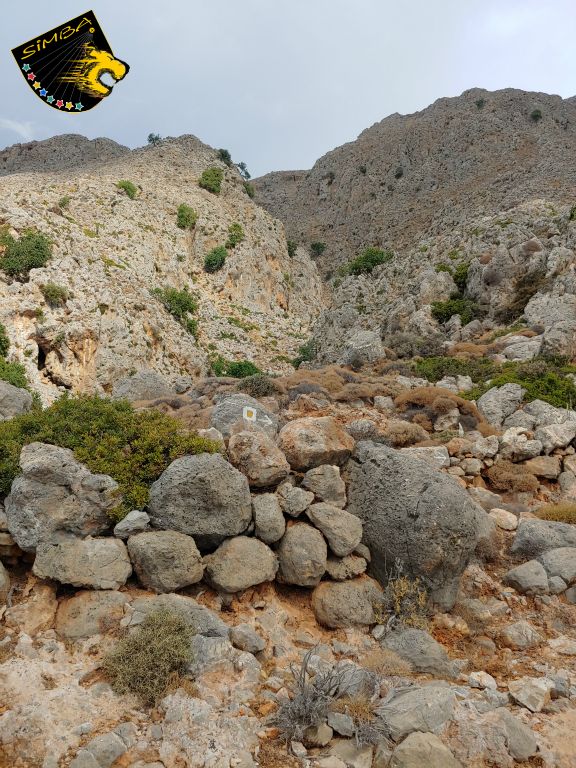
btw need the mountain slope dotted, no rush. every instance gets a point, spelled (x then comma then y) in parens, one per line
(110, 252)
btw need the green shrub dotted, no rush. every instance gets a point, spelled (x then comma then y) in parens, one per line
(215, 259)
(536, 115)
(363, 170)
(187, 217)
(306, 353)
(31, 251)
(456, 305)
(291, 248)
(13, 373)
(110, 437)
(64, 202)
(225, 156)
(317, 248)
(191, 325)
(154, 139)
(146, 661)
(480, 103)
(460, 276)
(443, 268)
(237, 369)
(367, 260)
(128, 187)
(178, 303)
(435, 368)
(572, 214)
(235, 235)
(55, 295)
(258, 385)
(250, 189)
(211, 180)
(4, 341)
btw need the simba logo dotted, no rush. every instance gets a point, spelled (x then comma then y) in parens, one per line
(67, 66)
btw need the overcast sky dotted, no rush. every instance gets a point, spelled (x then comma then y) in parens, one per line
(281, 82)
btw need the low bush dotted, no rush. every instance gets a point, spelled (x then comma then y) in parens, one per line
(128, 187)
(14, 374)
(55, 295)
(460, 276)
(64, 202)
(110, 437)
(211, 180)
(564, 512)
(291, 248)
(403, 602)
(250, 189)
(146, 661)
(436, 368)
(258, 385)
(506, 476)
(178, 303)
(237, 369)
(225, 156)
(31, 251)
(369, 727)
(536, 115)
(235, 235)
(306, 353)
(455, 305)
(214, 261)
(400, 434)
(317, 249)
(4, 341)
(385, 663)
(186, 217)
(367, 261)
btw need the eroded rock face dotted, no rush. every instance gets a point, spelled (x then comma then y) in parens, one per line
(57, 495)
(313, 441)
(144, 385)
(202, 496)
(411, 512)
(240, 563)
(165, 560)
(95, 563)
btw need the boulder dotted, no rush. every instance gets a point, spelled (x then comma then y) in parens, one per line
(556, 435)
(203, 496)
(346, 603)
(56, 495)
(544, 414)
(560, 562)
(362, 347)
(519, 738)
(544, 466)
(437, 456)
(516, 445)
(36, 613)
(529, 578)
(342, 568)
(243, 637)
(500, 402)
(531, 692)
(238, 411)
(326, 484)
(202, 620)
(415, 514)
(313, 441)
(258, 457)
(165, 560)
(294, 500)
(520, 636)
(505, 520)
(90, 613)
(13, 401)
(535, 537)
(423, 749)
(144, 385)
(95, 563)
(134, 522)
(425, 709)
(240, 563)
(302, 554)
(342, 530)
(421, 651)
(269, 523)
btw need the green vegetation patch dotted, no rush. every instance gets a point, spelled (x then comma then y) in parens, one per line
(214, 261)
(128, 187)
(367, 261)
(31, 251)
(211, 180)
(55, 295)
(237, 369)
(186, 217)
(235, 235)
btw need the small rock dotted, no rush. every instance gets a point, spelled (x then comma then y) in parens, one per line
(418, 709)
(520, 636)
(529, 578)
(352, 755)
(532, 693)
(505, 520)
(560, 562)
(342, 529)
(243, 637)
(298, 749)
(535, 537)
(302, 554)
(556, 435)
(165, 560)
(423, 750)
(500, 402)
(544, 466)
(556, 585)
(293, 500)
(134, 522)
(90, 613)
(421, 651)
(341, 724)
(14, 401)
(96, 563)
(269, 523)
(482, 680)
(346, 603)
(240, 563)
(318, 735)
(258, 458)
(313, 441)
(344, 568)
(240, 409)
(326, 484)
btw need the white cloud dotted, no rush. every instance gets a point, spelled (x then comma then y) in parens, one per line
(24, 130)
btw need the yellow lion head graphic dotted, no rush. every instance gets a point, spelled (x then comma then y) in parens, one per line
(86, 73)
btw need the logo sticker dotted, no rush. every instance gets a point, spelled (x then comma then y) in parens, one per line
(65, 67)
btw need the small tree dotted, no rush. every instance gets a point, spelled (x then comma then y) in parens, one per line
(187, 217)
(317, 248)
(31, 251)
(225, 156)
(214, 260)
(154, 139)
(211, 180)
(243, 170)
(536, 115)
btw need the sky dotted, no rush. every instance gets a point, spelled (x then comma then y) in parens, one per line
(281, 82)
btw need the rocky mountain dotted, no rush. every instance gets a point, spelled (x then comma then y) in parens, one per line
(479, 189)
(110, 253)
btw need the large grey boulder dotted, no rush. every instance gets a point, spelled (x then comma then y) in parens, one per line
(269, 522)
(326, 484)
(422, 652)
(362, 347)
(165, 560)
(560, 562)
(413, 513)
(423, 749)
(534, 537)
(96, 563)
(302, 554)
(239, 410)
(13, 401)
(55, 495)
(346, 603)
(500, 402)
(342, 530)
(529, 578)
(544, 414)
(258, 457)
(240, 563)
(144, 385)
(425, 709)
(556, 435)
(203, 496)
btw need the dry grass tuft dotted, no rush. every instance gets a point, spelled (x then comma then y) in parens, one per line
(505, 476)
(400, 434)
(146, 661)
(385, 663)
(564, 512)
